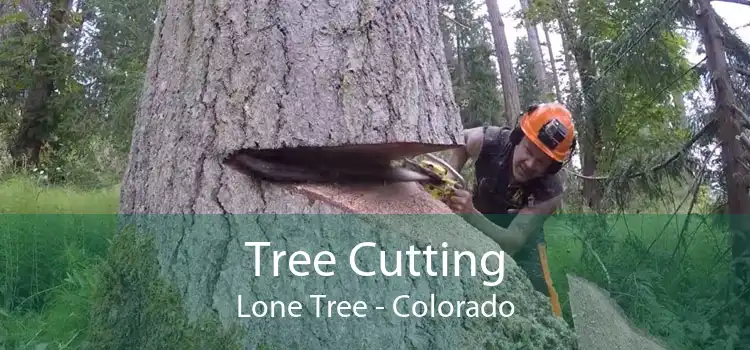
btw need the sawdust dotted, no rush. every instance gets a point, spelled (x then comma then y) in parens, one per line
(396, 198)
(600, 323)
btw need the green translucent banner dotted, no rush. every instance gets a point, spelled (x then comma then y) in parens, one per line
(334, 281)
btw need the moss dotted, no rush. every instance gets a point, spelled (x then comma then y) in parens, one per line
(135, 308)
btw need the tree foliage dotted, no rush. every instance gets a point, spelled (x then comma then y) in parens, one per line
(475, 79)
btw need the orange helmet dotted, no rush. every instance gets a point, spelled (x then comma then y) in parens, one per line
(550, 127)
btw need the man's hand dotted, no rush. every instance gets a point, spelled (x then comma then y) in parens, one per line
(461, 202)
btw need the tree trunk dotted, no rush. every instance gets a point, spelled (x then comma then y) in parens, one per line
(460, 62)
(572, 81)
(585, 109)
(375, 87)
(553, 64)
(447, 41)
(735, 174)
(507, 77)
(540, 72)
(301, 74)
(38, 119)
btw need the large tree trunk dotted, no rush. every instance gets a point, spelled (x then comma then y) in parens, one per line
(302, 74)
(512, 100)
(368, 75)
(732, 153)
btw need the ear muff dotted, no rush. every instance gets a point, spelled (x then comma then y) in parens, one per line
(556, 166)
(516, 135)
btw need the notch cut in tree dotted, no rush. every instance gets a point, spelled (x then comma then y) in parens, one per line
(275, 77)
(285, 74)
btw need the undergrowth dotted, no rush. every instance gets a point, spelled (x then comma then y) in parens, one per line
(66, 282)
(53, 269)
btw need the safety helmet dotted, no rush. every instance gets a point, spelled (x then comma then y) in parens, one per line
(550, 127)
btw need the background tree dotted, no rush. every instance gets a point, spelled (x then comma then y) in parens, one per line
(502, 53)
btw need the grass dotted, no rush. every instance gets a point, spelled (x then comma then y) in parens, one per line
(48, 268)
(47, 278)
(676, 294)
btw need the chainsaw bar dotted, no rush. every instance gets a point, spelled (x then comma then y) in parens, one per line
(321, 167)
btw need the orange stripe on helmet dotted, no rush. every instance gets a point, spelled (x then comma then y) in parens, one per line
(550, 127)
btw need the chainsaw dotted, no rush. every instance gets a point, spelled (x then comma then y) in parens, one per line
(337, 165)
(445, 180)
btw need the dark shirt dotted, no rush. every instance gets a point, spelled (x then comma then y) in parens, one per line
(494, 195)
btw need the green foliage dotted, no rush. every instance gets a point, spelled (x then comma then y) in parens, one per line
(118, 64)
(134, 308)
(48, 278)
(668, 273)
(482, 98)
(528, 89)
(671, 281)
(475, 79)
(60, 271)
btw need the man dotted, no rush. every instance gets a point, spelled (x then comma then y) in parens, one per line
(517, 185)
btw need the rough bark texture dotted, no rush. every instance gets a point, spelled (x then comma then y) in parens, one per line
(235, 74)
(511, 98)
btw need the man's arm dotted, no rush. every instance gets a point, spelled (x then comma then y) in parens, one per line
(528, 221)
(473, 139)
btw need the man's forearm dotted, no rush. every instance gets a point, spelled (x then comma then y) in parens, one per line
(531, 219)
(509, 240)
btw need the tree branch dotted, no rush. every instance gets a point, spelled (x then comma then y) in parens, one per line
(741, 2)
(708, 128)
(454, 21)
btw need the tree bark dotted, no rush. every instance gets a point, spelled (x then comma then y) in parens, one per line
(732, 153)
(507, 77)
(306, 74)
(341, 75)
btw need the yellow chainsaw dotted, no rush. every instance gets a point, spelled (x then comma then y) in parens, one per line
(345, 165)
(444, 179)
